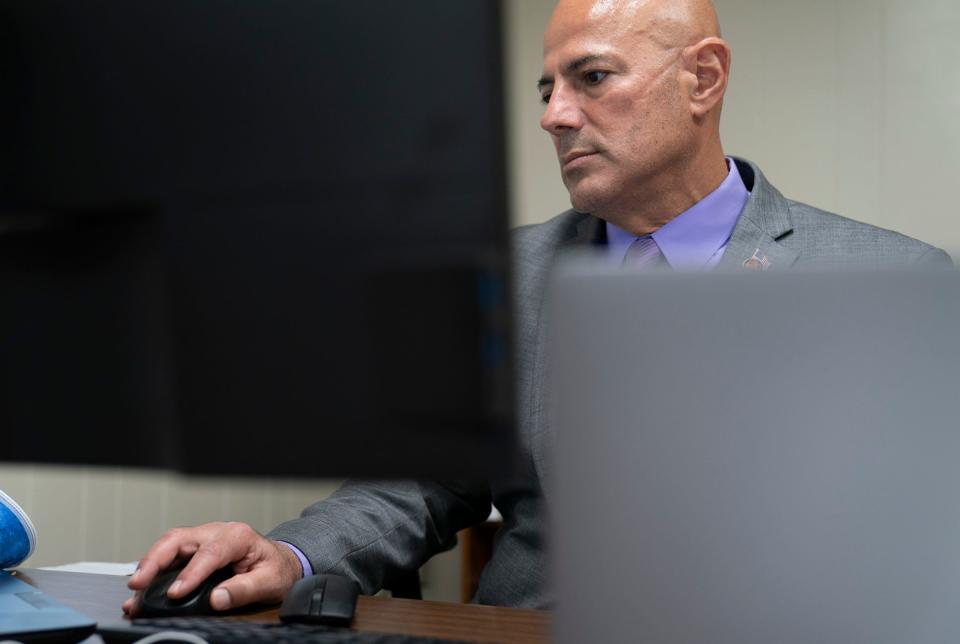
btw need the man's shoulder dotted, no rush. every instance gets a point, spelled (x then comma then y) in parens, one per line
(535, 247)
(544, 238)
(822, 235)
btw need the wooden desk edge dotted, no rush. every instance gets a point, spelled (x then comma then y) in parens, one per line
(100, 596)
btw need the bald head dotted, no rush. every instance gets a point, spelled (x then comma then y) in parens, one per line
(633, 92)
(669, 23)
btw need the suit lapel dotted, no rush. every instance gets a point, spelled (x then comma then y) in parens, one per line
(756, 241)
(590, 231)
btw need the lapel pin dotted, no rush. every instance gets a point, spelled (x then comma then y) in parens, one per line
(758, 262)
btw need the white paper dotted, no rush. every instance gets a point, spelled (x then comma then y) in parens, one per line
(97, 567)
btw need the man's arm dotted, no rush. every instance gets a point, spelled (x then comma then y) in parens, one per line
(371, 532)
(374, 532)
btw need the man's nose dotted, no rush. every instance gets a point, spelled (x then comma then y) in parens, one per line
(562, 113)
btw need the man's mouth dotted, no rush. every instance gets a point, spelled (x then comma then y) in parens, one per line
(572, 158)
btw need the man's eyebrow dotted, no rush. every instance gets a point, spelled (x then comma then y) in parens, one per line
(571, 68)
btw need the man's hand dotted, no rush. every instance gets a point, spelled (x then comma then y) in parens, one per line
(265, 570)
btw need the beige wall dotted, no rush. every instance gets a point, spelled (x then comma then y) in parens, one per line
(536, 190)
(110, 514)
(850, 105)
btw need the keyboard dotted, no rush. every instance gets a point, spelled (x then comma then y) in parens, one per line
(216, 630)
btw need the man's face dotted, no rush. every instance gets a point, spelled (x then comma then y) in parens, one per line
(613, 102)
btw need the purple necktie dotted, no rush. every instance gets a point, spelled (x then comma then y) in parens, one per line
(645, 255)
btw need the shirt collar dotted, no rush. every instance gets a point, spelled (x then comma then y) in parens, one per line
(694, 239)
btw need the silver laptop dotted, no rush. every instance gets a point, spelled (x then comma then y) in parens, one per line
(756, 458)
(26, 614)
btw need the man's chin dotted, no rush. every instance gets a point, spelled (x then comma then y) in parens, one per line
(589, 192)
(586, 200)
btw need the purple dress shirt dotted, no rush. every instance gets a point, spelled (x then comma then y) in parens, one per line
(304, 562)
(695, 239)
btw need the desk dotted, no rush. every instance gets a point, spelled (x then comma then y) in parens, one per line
(100, 596)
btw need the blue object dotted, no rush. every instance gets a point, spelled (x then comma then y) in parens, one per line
(18, 537)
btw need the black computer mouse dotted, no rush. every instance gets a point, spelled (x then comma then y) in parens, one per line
(321, 599)
(155, 603)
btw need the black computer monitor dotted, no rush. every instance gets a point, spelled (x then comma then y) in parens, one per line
(256, 238)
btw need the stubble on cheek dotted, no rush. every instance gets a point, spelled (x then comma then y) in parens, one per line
(591, 186)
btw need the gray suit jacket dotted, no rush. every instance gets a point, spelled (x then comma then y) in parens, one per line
(376, 531)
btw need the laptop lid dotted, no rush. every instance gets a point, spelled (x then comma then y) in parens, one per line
(756, 458)
(28, 614)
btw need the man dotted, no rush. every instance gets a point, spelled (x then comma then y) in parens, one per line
(633, 92)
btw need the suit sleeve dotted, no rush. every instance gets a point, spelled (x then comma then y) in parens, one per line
(935, 258)
(374, 532)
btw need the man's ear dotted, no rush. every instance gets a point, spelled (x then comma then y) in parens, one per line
(707, 64)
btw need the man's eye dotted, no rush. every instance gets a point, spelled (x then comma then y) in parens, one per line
(545, 98)
(594, 77)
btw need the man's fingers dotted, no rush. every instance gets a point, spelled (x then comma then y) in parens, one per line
(160, 557)
(211, 547)
(176, 543)
(261, 585)
(132, 605)
(230, 544)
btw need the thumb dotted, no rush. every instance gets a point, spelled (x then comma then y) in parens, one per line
(260, 585)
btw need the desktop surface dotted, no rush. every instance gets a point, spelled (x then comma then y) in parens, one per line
(100, 596)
